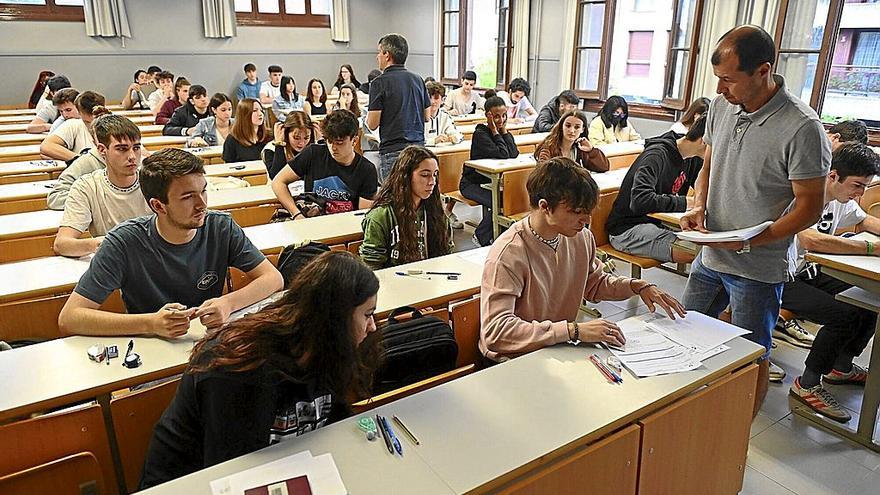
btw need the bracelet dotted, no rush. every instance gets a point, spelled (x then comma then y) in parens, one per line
(577, 334)
(645, 287)
(870, 247)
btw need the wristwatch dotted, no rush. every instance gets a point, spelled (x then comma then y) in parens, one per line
(747, 247)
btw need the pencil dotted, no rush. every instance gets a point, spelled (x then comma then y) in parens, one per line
(405, 429)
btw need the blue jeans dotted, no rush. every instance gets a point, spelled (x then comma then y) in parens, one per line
(754, 305)
(386, 164)
(475, 192)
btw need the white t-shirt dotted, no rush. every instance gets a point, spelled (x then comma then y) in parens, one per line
(156, 100)
(96, 205)
(267, 89)
(836, 215)
(678, 128)
(46, 110)
(75, 134)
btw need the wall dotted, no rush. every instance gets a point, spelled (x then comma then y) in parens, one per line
(168, 33)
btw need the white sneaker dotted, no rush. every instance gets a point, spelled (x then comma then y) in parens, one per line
(777, 374)
(454, 222)
(792, 332)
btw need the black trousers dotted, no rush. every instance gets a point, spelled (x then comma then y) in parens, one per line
(846, 329)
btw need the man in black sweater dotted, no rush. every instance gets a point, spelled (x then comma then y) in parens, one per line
(551, 112)
(185, 118)
(658, 181)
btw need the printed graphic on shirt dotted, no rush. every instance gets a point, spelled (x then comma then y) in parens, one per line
(337, 194)
(826, 223)
(302, 417)
(207, 280)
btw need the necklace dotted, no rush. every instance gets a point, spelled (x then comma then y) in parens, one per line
(553, 243)
(123, 190)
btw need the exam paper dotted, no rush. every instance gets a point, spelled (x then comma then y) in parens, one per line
(321, 471)
(475, 256)
(727, 236)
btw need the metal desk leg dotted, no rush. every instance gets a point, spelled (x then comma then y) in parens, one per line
(871, 398)
(496, 204)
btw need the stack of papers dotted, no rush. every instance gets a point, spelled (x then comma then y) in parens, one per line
(285, 476)
(657, 345)
(728, 236)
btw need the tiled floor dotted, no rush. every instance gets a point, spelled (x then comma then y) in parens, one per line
(787, 455)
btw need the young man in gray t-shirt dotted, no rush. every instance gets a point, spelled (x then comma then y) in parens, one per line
(170, 266)
(766, 160)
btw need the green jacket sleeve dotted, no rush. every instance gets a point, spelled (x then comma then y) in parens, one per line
(377, 245)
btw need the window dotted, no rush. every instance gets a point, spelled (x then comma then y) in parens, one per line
(476, 36)
(41, 10)
(829, 53)
(289, 13)
(644, 56)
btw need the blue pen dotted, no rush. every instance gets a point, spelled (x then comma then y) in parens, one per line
(394, 439)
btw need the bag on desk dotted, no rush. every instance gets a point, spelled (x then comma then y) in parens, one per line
(294, 257)
(414, 349)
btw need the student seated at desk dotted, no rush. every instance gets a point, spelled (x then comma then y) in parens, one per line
(249, 133)
(316, 98)
(134, 94)
(406, 222)
(250, 85)
(490, 140)
(297, 132)
(846, 329)
(165, 92)
(39, 91)
(846, 131)
(365, 87)
(440, 126)
(551, 112)
(569, 138)
(213, 130)
(186, 117)
(287, 100)
(181, 96)
(658, 181)
(345, 76)
(698, 108)
(334, 170)
(170, 266)
(292, 368)
(465, 100)
(72, 137)
(348, 100)
(540, 269)
(46, 110)
(612, 124)
(519, 108)
(271, 88)
(64, 101)
(106, 197)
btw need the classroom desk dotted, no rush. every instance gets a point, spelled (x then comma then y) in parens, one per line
(210, 154)
(33, 111)
(669, 219)
(512, 127)
(142, 122)
(32, 151)
(24, 119)
(486, 432)
(31, 196)
(495, 170)
(473, 118)
(22, 138)
(863, 272)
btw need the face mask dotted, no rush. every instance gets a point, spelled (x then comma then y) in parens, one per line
(616, 119)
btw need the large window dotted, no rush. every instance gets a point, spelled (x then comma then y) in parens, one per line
(290, 13)
(476, 35)
(41, 10)
(829, 53)
(639, 49)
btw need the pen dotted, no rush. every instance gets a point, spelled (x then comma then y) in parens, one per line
(602, 370)
(405, 429)
(391, 434)
(614, 374)
(384, 434)
(442, 273)
(404, 274)
(360, 213)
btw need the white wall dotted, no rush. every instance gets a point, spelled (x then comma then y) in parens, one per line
(168, 33)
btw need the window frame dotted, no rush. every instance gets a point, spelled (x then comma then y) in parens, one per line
(823, 63)
(48, 12)
(666, 109)
(282, 18)
(501, 66)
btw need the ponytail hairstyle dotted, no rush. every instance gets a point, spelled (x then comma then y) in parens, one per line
(90, 103)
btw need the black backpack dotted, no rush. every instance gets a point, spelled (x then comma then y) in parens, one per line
(414, 350)
(294, 257)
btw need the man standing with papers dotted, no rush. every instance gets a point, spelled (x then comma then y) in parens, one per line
(766, 149)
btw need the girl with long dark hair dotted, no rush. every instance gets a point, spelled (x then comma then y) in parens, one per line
(569, 138)
(295, 366)
(612, 124)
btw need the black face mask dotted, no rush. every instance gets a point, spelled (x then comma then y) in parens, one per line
(617, 119)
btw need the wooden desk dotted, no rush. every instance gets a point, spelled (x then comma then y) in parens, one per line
(24, 119)
(5, 112)
(506, 209)
(474, 118)
(863, 272)
(22, 138)
(669, 219)
(514, 128)
(210, 154)
(32, 151)
(600, 438)
(31, 196)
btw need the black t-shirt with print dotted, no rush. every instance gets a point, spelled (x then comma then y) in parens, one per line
(342, 186)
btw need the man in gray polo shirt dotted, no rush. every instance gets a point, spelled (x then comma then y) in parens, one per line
(767, 160)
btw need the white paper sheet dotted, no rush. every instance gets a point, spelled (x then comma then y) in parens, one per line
(727, 236)
(475, 256)
(321, 471)
(696, 331)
